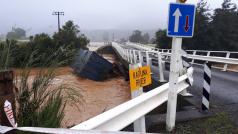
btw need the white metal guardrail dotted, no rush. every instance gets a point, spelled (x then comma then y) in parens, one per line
(126, 113)
(202, 55)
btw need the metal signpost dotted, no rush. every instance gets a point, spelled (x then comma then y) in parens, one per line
(180, 24)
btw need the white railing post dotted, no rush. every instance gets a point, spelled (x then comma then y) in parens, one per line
(139, 124)
(226, 65)
(194, 53)
(134, 56)
(161, 69)
(130, 56)
(208, 54)
(124, 53)
(147, 58)
(140, 57)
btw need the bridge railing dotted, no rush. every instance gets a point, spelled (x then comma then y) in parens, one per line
(221, 57)
(126, 113)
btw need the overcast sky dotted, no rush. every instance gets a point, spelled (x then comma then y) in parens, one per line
(36, 15)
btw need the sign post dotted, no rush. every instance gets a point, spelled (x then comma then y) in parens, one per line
(180, 24)
(139, 77)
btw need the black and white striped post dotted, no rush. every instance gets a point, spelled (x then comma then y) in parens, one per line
(206, 86)
(186, 68)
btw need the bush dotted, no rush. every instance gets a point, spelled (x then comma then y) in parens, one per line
(5, 55)
(40, 102)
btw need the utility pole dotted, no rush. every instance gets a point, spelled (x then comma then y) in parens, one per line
(58, 14)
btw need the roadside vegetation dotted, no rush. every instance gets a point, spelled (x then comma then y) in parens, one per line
(219, 124)
(62, 46)
(39, 101)
(214, 29)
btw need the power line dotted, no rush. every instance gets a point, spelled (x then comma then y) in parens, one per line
(58, 14)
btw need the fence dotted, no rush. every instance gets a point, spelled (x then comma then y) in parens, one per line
(222, 57)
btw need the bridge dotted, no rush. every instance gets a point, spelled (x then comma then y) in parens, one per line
(223, 89)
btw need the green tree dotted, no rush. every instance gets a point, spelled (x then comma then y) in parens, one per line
(136, 37)
(224, 27)
(162, 40)
(16, 33)
(42, 42)
(70, 35)
(146, 38)
(202, 32)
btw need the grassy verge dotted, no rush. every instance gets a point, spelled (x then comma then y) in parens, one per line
(219, 124)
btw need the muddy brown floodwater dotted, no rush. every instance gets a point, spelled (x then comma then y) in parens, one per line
(98, 97)
(229, 67)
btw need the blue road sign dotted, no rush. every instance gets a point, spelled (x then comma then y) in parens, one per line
(181, 20)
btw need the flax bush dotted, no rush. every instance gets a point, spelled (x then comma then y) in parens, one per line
(40, 102)
(5, 55)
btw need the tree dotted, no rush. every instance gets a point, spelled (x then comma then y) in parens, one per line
(224, 27)
(162, 40)
(70, 35)
(16, 33)
(146, 38)
(202, 32)
(136, 37)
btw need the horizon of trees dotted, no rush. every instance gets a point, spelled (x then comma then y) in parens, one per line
(16, 33)
(138, 37)
(217, 31)
(42, 48)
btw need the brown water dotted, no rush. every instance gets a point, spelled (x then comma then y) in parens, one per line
(97, 98)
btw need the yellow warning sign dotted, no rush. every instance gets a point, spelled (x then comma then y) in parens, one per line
(140, 77)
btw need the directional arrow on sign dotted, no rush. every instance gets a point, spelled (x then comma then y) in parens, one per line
(186, 27)
(177, 14)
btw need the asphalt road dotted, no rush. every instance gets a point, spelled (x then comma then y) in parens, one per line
(224, 86)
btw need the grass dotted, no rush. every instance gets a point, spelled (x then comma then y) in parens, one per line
(5, 55)
(219, 124)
